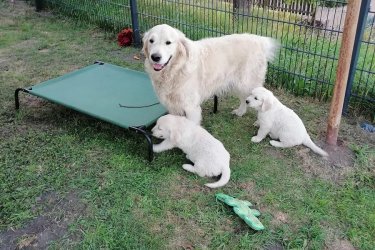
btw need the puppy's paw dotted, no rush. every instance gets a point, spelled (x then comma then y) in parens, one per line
(188, 167)
(256, 139)
(239, 112)
(157, 148)
(276, 143)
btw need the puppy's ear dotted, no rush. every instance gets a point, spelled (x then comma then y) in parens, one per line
(267, 103)
(174, 135)
(145, 44)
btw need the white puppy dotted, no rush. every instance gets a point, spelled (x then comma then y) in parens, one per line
(208, 154)
(279, 121)
(185, 73)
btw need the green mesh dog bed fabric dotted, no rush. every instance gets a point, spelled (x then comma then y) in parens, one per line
(108, 92)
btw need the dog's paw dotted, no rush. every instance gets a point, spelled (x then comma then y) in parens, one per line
(239, 112)
(256, 139)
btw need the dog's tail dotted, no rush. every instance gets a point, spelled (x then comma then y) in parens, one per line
(309, 143)
(225, 176)
(271, 47)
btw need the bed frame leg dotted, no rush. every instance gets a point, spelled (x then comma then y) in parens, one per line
(215, 104)
(142, 130)
(16, 97)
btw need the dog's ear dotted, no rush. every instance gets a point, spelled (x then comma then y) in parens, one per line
(267, 103)
(182, 50)
(145, 43)
(183, 46)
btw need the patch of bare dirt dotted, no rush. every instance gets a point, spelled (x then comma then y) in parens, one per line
(10, 126)
(185, 188)
(280, 217)
(196, 237)
(335, 168)
(58, 213)
(7, 22)
(31, 43)
(340, 155)
(183, 240)
(17, 8)
(30, 101)
(248, 186)
(333, 239)
(4, 65)
(129, 56)
(274, 152)
(275, 246)
(340, 244)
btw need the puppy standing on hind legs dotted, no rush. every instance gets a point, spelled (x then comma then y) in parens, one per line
(279, 121)
(208, 154)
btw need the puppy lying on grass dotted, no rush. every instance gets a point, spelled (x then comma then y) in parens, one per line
(279, 121)
(209, 156)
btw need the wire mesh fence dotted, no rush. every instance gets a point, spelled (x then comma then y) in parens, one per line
(363, 91)
(309, 31)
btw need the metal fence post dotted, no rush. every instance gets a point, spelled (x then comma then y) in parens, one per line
(39, 5)
(135, 25)
(236, 6)
(365, 6)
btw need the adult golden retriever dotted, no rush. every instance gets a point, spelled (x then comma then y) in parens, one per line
(185, 73)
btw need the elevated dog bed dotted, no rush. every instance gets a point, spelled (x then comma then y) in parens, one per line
(108, 92)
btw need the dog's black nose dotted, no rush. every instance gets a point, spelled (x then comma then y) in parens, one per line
(156, 57)
(247, 102)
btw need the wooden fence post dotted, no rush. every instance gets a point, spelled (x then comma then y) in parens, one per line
(347, 43)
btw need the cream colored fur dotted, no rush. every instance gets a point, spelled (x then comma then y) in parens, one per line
(208, 154)
(279, 121)
(193, 71)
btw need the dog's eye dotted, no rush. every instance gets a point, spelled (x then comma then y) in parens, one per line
(168, 42)
(255, 98)
(151, 41)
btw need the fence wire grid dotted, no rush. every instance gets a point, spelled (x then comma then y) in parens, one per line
(309, 32)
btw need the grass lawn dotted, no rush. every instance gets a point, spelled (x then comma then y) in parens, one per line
(69, 181)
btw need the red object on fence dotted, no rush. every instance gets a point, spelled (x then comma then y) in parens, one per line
(125, 37)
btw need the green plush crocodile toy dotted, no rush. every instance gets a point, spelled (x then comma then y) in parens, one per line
(242, 209)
